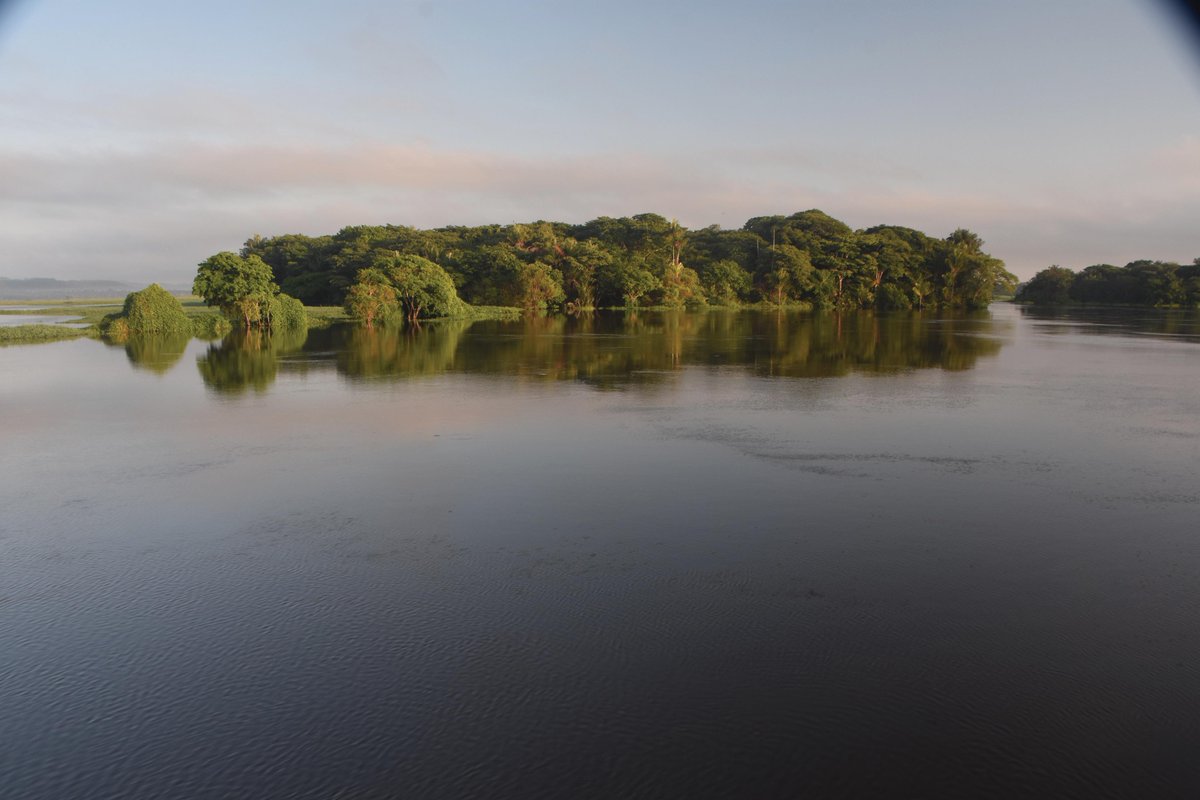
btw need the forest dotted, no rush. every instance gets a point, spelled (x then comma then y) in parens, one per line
(1160, 284)
(806, 259)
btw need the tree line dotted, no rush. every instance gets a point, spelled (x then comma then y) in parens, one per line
(808, 258)
(1138, 283)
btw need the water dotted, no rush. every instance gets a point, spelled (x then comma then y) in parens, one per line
(668, 555)
(12, 320)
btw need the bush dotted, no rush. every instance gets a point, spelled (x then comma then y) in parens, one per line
(286, 313)
(115, 327)
(210, 326)
(152, 310)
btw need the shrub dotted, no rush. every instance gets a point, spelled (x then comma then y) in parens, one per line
(115, 327)
(285, 312)
(210, 326)
(152, 310)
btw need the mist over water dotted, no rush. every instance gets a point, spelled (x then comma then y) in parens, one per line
(648, 555)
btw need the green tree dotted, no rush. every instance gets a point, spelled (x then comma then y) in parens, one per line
(541, 286)
(371, 297)
(422, 287)
(1189, 280)
(1102, 283)
(580, 266)
(787, 274)
(300, 265)
(1051, 286)
(1156, 283)
(630, 280)
(240, 287)
(724, 281)
(966, 274)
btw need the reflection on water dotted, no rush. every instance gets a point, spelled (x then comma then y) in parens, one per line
(714, 583)
(246, 360)
(364, 353)
(1157, 322)
(155, 353)
(613, 350)
(13, 320)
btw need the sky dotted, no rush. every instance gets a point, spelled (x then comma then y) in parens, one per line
(138, 138)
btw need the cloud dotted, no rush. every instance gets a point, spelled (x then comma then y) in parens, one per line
(242, 171)
(155, 213)
(1178, 163)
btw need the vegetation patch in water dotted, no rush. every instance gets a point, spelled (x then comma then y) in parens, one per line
(152, 310)
(35, 334)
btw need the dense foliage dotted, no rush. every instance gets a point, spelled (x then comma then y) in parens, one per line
(808, 258)
(285, 312)
(413, 285)
(243, 287)
(152, 310)
(210, 326)
(1139, 283)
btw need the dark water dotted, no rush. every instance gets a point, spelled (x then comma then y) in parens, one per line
(665, 556)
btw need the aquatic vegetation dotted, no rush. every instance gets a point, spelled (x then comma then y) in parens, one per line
(152, 310)
(35, 334)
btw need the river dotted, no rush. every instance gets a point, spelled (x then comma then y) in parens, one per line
(645, 555)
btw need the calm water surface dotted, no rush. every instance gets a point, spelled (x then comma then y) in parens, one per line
(706, 555)
(13, 320)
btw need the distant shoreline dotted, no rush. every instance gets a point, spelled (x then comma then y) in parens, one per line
(38, 289)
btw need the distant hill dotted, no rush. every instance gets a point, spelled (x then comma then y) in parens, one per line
(52, 289)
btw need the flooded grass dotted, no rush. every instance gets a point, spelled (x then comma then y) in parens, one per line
(89, 312)
(37, 334)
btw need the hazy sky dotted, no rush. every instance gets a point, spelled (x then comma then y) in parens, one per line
(137, 138)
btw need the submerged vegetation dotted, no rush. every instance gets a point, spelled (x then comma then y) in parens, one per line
(34, 334)
(155, 313)
(148, 313)
(1160, 284)
(805, 260)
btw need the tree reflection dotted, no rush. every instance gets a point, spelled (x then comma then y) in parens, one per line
(616, 350)
(247, 359)
(613, 350)
(1115, 321)
(155, 352)
(398, 352)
